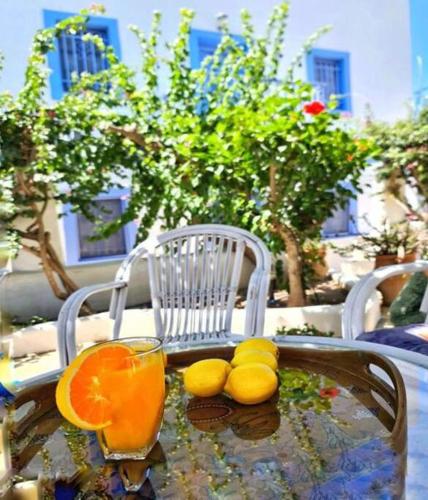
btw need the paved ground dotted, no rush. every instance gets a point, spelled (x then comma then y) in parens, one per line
(35, 364)
(32, 365)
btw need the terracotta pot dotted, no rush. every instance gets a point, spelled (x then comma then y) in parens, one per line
(391, 287)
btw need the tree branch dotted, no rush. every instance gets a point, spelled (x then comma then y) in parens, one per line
(279, 228)
(28, 235)
(32, 250)
(419, 214)
(134, 136)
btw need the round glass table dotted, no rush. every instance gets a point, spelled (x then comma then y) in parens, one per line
(312, 441)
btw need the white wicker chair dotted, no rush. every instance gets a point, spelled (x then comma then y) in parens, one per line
(354, 309)
(3, 273)
(194, 275)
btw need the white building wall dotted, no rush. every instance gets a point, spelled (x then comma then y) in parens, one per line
(376, 33)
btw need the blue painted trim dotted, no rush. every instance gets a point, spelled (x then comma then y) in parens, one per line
(419, 51)
(71, 236)
(353, 213)
(344, 58)
(50, 18)
(71, 231)
(207, 38)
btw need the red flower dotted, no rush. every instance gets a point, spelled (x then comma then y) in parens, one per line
(329, 392)
(314, 108)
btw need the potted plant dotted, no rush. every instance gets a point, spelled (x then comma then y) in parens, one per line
(392, 243)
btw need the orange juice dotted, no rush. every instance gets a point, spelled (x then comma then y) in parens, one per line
(136, 393)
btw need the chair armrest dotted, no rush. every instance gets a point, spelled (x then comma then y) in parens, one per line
(3, 272)
(354, 310)
(66, 326)
(424, 303)
(251, 309)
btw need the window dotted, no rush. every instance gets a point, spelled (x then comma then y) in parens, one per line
(106, 210)
(73, 55)
(329, 72)
(343, 220)
(79, 249)
(204, 43)
(77, 56)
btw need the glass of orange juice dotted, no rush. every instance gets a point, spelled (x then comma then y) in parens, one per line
(117, 388)
(136, 391)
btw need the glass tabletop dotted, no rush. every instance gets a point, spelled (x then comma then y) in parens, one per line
(415, 378)
(414, 370)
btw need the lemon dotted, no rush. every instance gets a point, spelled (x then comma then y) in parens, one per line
(251, 383)
(207, 377)
(258, 344)
(252, 356)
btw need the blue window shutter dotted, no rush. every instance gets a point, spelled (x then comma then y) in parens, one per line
(204, 43)
(71, 54)
(329, 72)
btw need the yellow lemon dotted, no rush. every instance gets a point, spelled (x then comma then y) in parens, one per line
(251, 383)
(251, 356)
(258, 344)
(207, 377)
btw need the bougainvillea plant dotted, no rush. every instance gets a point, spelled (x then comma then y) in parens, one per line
(59, 152)
(237, 141)
(403, 152)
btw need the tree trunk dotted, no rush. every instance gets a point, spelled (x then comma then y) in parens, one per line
(37, 199)
(59, 281)
(296, 296)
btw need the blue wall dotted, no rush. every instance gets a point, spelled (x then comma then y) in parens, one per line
(419, 48)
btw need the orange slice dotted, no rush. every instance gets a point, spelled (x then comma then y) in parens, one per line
(82, 393)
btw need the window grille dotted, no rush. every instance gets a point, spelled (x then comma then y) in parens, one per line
(105, 210)
(78, 56)
(328, 77)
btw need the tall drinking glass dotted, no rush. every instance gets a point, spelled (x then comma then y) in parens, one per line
(137, 394)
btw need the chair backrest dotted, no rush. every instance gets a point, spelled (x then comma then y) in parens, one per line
(353, 316)
(194, 276)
